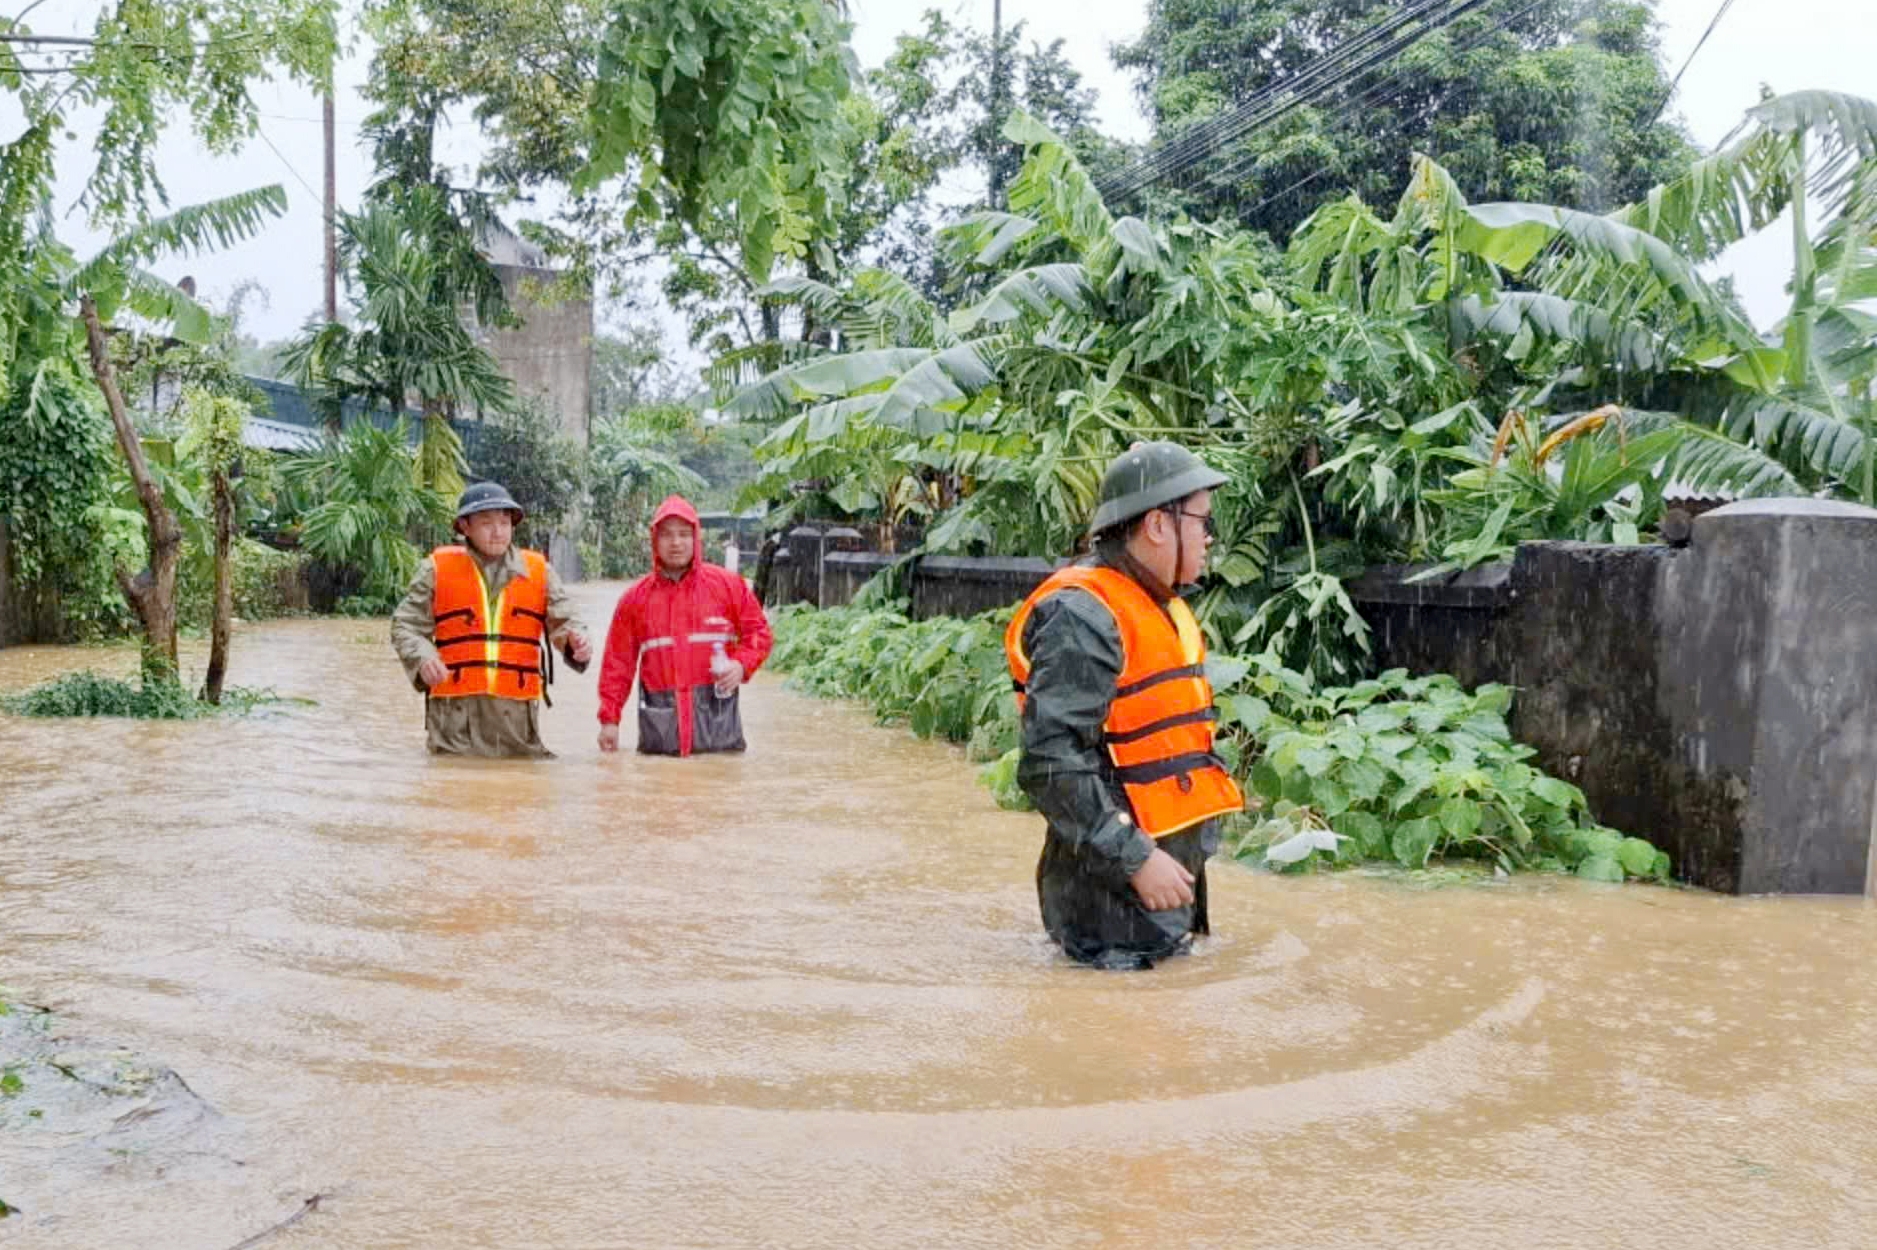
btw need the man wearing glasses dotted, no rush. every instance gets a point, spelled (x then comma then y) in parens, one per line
(1117, 716)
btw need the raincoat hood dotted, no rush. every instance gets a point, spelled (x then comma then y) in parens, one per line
(678, 506)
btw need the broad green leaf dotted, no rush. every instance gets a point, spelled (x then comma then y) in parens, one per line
(1460, 818)
(1328, 797)
(1557, 793)
(1366, 831)
(1315, 760)
(1414, 842)
(1246, 710)
(1601, 868)
(1365, 779)
(1637, 857)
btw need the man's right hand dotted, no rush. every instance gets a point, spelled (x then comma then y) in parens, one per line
(432, 672)
(1162, 882)
(609, 737)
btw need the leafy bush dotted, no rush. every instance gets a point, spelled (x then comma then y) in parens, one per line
(543, 469)
(1408, 769)
(267, 583)
(365, 605)
(56, 458)
(631, 468)
(370, 499)
(944, 677)
(93, 694)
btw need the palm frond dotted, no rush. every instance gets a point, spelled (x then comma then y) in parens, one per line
(985, 238)
(1803, 437)
(1530, 318)
(821, 377)
(1704, 459)
(1745, 185)
(150, 296)
(914, 321)
(747, 366)
(203, 227)
(934, 384)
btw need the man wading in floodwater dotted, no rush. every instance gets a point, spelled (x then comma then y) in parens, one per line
(472, 629)
(691, 633)
(1117, 720)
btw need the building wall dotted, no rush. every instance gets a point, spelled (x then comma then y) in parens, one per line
(550, 358)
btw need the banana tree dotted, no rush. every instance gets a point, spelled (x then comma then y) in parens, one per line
(1600, 309)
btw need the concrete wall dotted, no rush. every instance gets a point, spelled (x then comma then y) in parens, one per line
(1720, 699)
(968, 585)
(939, 585)
(843, 573)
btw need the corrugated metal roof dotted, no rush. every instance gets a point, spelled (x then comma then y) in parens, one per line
(277, 435)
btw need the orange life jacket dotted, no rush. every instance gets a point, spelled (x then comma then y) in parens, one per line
(504, 661)
(1159, 727)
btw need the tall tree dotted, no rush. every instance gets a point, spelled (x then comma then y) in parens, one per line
(1555, 101)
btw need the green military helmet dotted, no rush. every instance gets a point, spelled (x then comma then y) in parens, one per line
(1149, 476)
(487, 497)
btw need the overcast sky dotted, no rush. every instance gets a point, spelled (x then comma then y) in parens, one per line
(1788, 44)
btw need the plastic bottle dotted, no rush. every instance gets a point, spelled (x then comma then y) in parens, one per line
(719, 661)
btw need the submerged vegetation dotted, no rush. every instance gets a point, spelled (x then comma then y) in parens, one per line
(1407, 770)
(92, 694)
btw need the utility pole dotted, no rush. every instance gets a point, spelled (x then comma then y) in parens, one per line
(332, 244)
(1000, 106)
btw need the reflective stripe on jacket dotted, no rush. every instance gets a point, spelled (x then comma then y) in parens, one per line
(503, 660)
(1158, 732)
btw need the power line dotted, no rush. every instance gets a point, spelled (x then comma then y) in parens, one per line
(1676, 81)
(1208, 135)
(1350, 105)
(284, 161)
(1325, 76)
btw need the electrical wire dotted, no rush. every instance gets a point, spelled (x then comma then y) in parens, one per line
(289, 164)
(1324, 76)
(1208, 134)
(1699, 43)
(1343, 111)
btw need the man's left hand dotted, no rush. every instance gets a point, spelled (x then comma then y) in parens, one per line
(579, 648)
(732, 678)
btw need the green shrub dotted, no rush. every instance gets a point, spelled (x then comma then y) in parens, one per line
(267, 583)
(93, 694)
(1409, 769)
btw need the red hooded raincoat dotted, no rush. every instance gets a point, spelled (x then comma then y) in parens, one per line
(663, 632)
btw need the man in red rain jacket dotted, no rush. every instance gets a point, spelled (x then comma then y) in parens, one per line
(667, 631)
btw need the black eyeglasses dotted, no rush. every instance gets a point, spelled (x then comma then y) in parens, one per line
(1211, 522)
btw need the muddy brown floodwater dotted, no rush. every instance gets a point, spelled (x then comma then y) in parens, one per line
(801, 998)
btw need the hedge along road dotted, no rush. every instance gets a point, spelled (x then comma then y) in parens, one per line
(801, 998)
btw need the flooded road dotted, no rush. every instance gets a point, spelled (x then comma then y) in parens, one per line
(801, 998)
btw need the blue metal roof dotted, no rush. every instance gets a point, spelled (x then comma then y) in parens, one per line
(296, 420)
